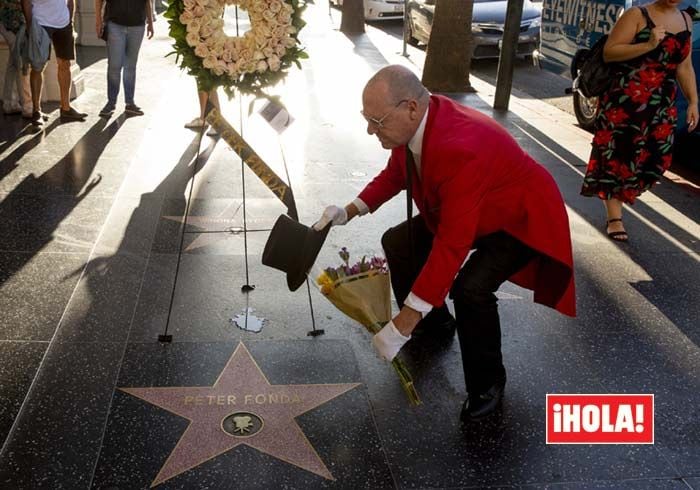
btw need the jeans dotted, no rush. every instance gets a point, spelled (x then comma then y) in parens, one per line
(123, 44)
(496, 257)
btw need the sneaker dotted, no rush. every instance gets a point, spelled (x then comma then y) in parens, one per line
(133, 109)
(196, 123)
(73, 115)
(212, 132)
(107, 110)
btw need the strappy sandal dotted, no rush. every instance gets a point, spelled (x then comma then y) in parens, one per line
(617, 236)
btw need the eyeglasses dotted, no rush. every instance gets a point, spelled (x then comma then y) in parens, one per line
(379, 123)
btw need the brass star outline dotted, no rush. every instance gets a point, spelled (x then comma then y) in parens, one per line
(239, 388)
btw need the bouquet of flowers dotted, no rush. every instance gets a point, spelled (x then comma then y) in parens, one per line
(363, 292)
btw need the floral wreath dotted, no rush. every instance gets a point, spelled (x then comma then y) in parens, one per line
(258, 59)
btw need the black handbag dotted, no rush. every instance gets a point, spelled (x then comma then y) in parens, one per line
(595, 75)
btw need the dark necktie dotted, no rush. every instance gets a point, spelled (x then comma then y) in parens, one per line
(410, 165)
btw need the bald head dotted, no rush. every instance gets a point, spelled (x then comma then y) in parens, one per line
(394, 102)
(395, 83)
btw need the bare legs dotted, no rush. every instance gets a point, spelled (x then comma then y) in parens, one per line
(613, 208)
(36, 80)
(64, 82)
(204, 97)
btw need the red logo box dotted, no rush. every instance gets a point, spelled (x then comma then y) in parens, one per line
(600, 419)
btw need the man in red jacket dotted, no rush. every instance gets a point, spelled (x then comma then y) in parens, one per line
(477, 189)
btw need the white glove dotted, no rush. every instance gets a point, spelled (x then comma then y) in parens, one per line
(332, 214)
(388, 341)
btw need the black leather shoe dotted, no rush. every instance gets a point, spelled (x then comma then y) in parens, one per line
(478, 407)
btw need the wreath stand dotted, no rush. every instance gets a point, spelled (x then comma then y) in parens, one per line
(246, 288)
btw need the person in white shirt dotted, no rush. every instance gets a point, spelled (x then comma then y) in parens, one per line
(56, 17)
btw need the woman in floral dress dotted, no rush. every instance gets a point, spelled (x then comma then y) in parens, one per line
(633, 142)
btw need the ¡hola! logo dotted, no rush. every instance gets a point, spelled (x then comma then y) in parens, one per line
(600, 419)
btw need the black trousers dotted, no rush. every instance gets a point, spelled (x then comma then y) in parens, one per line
(496, 257)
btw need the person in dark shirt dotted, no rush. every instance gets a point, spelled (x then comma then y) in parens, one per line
(122, 26)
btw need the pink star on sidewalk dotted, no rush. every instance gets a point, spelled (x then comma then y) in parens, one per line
(241, 408)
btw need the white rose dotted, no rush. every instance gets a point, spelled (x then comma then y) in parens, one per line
(280, 50)
(193, 28)
(261, 42)
(274, 62)
(198, 11)
(220, 68)
(268, 51)
(195, 25)
(206, 31)
(275, 6)
(291, 30)
(261, 67)
(268, 15)
(189, 4)
(245, 55)
(259, 7)
(287, 8)
(226, 55)
(258, 55)
(264, 30)
(220, 35)
(209, 62)
(231, 70)
(272, 24)
(201, 3)
(280, 32)
(284, 18)
(192, 39)
(201, 50)
(289, 42)
(186, 17)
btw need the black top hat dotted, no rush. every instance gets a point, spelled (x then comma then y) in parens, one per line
(292, 248)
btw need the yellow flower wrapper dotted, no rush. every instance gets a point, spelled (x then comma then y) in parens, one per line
(366, 298)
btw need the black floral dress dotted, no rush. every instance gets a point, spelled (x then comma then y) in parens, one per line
(636, 120)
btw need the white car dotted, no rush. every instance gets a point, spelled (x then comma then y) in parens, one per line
(379, 9)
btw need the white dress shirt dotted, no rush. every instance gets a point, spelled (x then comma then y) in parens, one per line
(415, 145)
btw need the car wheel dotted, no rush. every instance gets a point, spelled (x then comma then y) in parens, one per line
(585, 109)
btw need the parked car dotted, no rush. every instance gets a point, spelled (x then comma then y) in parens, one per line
(569, 29)
(379, 9)
(488, 19)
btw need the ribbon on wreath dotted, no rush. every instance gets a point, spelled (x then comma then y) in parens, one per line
(268, 177)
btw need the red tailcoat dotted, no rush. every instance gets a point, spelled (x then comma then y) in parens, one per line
(476, 180)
